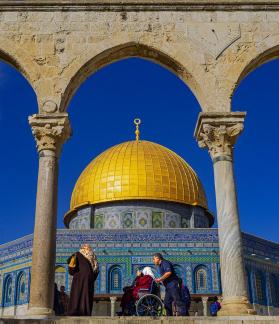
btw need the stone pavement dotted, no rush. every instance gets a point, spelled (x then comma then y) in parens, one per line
(143, 320)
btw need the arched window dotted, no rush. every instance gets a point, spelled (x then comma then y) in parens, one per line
(201, 279)
(60, 276)
(274, 287)
(21, 288)
(115, 279)
(8, 291)
(259, 283)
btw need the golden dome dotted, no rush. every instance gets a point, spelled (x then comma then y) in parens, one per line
(137, 170)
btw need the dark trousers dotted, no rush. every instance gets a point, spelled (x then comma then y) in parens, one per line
(173, 294)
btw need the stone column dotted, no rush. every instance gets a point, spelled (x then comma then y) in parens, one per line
(218, 132)
(204, 303)
(50, 132)
(1, 293)
(112, 305)
(269, 300)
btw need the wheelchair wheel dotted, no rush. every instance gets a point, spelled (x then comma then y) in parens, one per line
(149, 305)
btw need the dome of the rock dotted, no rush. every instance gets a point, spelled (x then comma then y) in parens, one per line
(137, 170)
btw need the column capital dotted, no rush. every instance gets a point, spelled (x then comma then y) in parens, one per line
(218, 132)
(50, 131)
(204, 299)
(220, 299)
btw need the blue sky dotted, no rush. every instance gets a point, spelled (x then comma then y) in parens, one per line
(102, 113)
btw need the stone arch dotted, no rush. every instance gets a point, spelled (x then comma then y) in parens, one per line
(123, 51)
(264, 57)
(269, 51)
(24, 68)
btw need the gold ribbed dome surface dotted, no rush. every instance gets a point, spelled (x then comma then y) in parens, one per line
(138, 170)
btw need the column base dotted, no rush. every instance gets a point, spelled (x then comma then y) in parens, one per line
(236, 306)
(40, 312)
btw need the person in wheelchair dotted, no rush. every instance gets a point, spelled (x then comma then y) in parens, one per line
(142, 282)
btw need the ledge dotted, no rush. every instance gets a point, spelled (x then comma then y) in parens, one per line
(139, 5)
(137, 320)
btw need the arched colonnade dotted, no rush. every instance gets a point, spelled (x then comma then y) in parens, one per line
(211, 51)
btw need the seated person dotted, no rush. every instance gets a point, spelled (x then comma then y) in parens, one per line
(127, 298)
(143, 280)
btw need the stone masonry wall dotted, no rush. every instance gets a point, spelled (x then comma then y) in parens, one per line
(210, 46)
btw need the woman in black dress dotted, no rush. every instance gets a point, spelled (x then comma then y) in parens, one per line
(83, 266)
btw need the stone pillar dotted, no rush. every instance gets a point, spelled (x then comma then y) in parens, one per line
(269, 300)
(218, 132)
(1, 293)
(204, 303)
(50, 132)
(112, 305)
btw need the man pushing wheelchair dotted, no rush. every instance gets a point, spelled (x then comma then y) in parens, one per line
(171, 282)
(142, 284)
(142, 298)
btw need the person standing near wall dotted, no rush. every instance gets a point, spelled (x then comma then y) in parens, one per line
(185, 295)
(57, 305)
(64, 298)
(215, 306)
(83, 266)
(170, 281)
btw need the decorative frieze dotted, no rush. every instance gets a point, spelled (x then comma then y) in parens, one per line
(117, 254)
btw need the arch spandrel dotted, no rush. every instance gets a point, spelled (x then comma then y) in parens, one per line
(254, 55)
(183, 67)
(210, 50)
(23, 66)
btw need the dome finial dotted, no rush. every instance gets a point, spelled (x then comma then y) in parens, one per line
(137, 122)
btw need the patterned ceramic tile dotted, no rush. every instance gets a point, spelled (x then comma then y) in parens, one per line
(130, 248)
(157, 219)
(128, 220)
(99, 221)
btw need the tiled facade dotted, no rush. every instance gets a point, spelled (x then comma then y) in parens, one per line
(139, 215)
(194, 252)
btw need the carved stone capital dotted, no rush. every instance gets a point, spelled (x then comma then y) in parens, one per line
(204, 299)
(219, 139)
(50, 131)
(218, 132)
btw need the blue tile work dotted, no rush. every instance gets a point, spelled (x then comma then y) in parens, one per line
(129, 249)
(139, 214)
(15, 287)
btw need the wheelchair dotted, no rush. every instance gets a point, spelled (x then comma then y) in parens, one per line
(149, 302)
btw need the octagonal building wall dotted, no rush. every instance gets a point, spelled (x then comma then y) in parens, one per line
(139, 215)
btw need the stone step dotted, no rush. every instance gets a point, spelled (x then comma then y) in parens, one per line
(143, 320)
